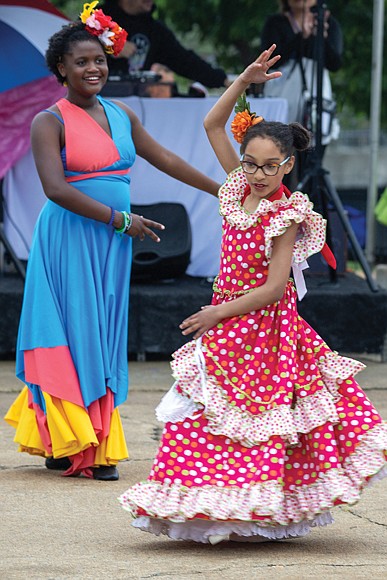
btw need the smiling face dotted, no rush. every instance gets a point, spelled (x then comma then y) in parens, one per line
(263, 151)
(85, 67)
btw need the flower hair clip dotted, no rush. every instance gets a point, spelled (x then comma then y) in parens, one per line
(244, 119)
(109, 33)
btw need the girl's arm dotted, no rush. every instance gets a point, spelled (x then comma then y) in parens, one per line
(268, 293)
(45, 142)
(216, 120)
(164, 159)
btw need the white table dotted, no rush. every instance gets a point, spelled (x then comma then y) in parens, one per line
(178, 125)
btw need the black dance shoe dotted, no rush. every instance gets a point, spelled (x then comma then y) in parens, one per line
(60, 464)
(106, 473)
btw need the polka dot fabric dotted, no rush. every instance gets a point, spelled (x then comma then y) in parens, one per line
(273, 429)
(275, 215)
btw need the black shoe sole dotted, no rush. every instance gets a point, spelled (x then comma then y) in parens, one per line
(60, 464)
(106, 473)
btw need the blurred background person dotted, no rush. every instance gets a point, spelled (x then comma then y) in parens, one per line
(293, 29)
(150, 41)
(166, 87)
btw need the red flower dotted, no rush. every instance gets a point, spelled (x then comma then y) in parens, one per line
(119, 40)
(104, 20)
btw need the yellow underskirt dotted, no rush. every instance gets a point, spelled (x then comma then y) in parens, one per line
(70, 428)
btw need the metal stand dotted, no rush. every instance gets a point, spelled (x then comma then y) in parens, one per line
(316, 178)
(5, 242)
(17, 263)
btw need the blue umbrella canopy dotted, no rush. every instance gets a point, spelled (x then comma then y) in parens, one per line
(25, 27)
(26, 85)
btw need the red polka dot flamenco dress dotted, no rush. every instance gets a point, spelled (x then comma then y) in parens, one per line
(266, 429)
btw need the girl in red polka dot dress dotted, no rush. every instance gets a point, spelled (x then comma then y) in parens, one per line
(266, 428)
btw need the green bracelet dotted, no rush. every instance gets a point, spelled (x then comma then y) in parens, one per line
(128, 220)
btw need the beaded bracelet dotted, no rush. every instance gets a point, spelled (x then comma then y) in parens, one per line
(110, 222)
(128, 220)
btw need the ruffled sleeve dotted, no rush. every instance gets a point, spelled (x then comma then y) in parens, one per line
(230, 201)
(311, 231)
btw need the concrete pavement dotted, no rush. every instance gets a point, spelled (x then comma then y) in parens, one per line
(62, 528)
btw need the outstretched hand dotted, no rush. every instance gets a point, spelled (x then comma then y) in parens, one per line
(257, 73)
(201, 321)
(141, 227)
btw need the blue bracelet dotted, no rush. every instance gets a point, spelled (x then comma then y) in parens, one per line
(110, 223)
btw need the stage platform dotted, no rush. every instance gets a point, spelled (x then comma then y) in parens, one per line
(347, 314)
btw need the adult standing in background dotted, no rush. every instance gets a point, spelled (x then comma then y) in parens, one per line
(151, 41)
(293, 29)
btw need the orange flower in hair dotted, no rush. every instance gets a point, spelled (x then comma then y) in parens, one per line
(244, 119)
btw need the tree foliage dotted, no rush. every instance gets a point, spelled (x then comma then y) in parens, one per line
(70, 8)
(232, 29)
(352, 84)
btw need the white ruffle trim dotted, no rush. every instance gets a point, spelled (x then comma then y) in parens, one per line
(201, 394)
(247, 429)
(378, 476)
(311, 234)
(201, 530)
(369, 457)
(178, 503)
(333, 367)
(175, 407)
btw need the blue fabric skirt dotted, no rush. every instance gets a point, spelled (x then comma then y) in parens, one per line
(77, 291)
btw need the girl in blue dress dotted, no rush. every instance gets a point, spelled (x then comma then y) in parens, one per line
(72, 341)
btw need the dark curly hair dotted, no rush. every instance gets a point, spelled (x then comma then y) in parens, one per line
(59, 44)
(288, 138)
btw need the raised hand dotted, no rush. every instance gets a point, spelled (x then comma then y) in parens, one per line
(257, 72)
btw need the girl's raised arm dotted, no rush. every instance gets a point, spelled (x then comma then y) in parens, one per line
(216, 120)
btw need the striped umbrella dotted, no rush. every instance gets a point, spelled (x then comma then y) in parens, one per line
(26, 85)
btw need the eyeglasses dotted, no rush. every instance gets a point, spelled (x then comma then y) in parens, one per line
(269, 169)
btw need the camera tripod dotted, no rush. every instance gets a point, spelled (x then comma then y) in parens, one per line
(6, 243)
(316, 179)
